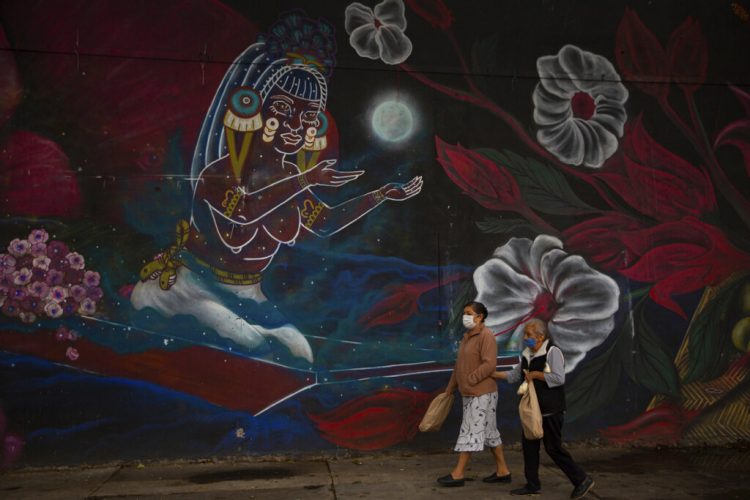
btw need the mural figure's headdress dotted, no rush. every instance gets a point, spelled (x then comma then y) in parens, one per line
(297, 54)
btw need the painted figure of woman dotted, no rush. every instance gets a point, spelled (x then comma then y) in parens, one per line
(254, 172)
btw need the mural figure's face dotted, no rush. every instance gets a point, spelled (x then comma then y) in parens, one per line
(295, 115)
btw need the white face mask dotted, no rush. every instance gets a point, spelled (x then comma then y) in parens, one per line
(468, 321)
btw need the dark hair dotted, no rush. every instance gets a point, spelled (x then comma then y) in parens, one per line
(478, 308)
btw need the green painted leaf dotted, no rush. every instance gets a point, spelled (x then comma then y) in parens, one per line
(594, 384)
(496, 225)
(709, 336)
(543, 186)
(645, 357)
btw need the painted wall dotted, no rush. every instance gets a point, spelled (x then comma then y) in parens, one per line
(250, 229)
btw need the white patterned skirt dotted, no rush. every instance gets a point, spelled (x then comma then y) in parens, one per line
(479, 425)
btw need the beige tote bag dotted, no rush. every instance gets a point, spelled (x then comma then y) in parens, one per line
(436, 413)
(531, 415)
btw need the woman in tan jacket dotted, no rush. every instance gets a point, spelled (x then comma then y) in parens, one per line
(472, 375)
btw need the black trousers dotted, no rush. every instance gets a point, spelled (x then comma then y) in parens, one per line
(552, 439)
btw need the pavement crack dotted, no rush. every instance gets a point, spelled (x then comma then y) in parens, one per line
(333, 484)
(92, 494)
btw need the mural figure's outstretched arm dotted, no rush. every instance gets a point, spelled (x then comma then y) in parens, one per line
(251, 205)
(256, 204)
(323, 220)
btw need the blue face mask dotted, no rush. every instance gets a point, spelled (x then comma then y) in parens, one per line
(530, 343)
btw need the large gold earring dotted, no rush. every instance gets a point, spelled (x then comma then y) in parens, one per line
(310, 134)
(315, 137)
(243, 110)
(272, 124)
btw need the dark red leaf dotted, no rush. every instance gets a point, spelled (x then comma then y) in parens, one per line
(640, 57)
(656, 181)
(664, 424)
(737, 133)
(600, 239)
(374, 421)
(681, 257)
(434, 12)
(490, 184)
(688, 55)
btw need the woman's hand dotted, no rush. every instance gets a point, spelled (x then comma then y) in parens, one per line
(534, 375)
(323, 175)
(400, 192)
(499, 375)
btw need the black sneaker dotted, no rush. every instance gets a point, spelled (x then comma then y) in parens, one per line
(582, 489)
(524, 491)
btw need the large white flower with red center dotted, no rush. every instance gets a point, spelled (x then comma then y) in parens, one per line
(579, 106)
(527, 279)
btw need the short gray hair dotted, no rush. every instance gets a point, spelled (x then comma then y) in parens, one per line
(538, 326)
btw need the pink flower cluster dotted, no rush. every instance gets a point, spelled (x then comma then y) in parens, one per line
(43, 278)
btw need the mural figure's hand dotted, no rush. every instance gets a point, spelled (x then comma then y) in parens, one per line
(323, 175)
(401, 192)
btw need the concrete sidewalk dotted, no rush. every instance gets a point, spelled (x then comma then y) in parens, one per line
(619, 473)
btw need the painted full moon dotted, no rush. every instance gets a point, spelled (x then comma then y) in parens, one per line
(392, 121)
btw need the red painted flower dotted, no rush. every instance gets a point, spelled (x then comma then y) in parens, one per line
(490, 184)
(656, 181)
(664, 425)
(434, 12)
(600, 240)
(158, 74)
(640, 56)
(398, 306)
(681, 257)
(374, 421)
(688, 56)
(401, 304)
(38, 179)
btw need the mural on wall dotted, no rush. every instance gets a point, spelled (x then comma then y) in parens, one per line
(201, 257)
(252, 196)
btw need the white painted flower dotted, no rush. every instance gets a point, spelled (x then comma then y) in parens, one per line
(38, 236)
(22, 276)
(41, 262)
(19, 248)
(579, 106)
(379, 34)
(75, 261)
(53, 309)
(38, 289)
(27, 317)
(526, 279)
(87, 307)
(7, 264)
(58, 294)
